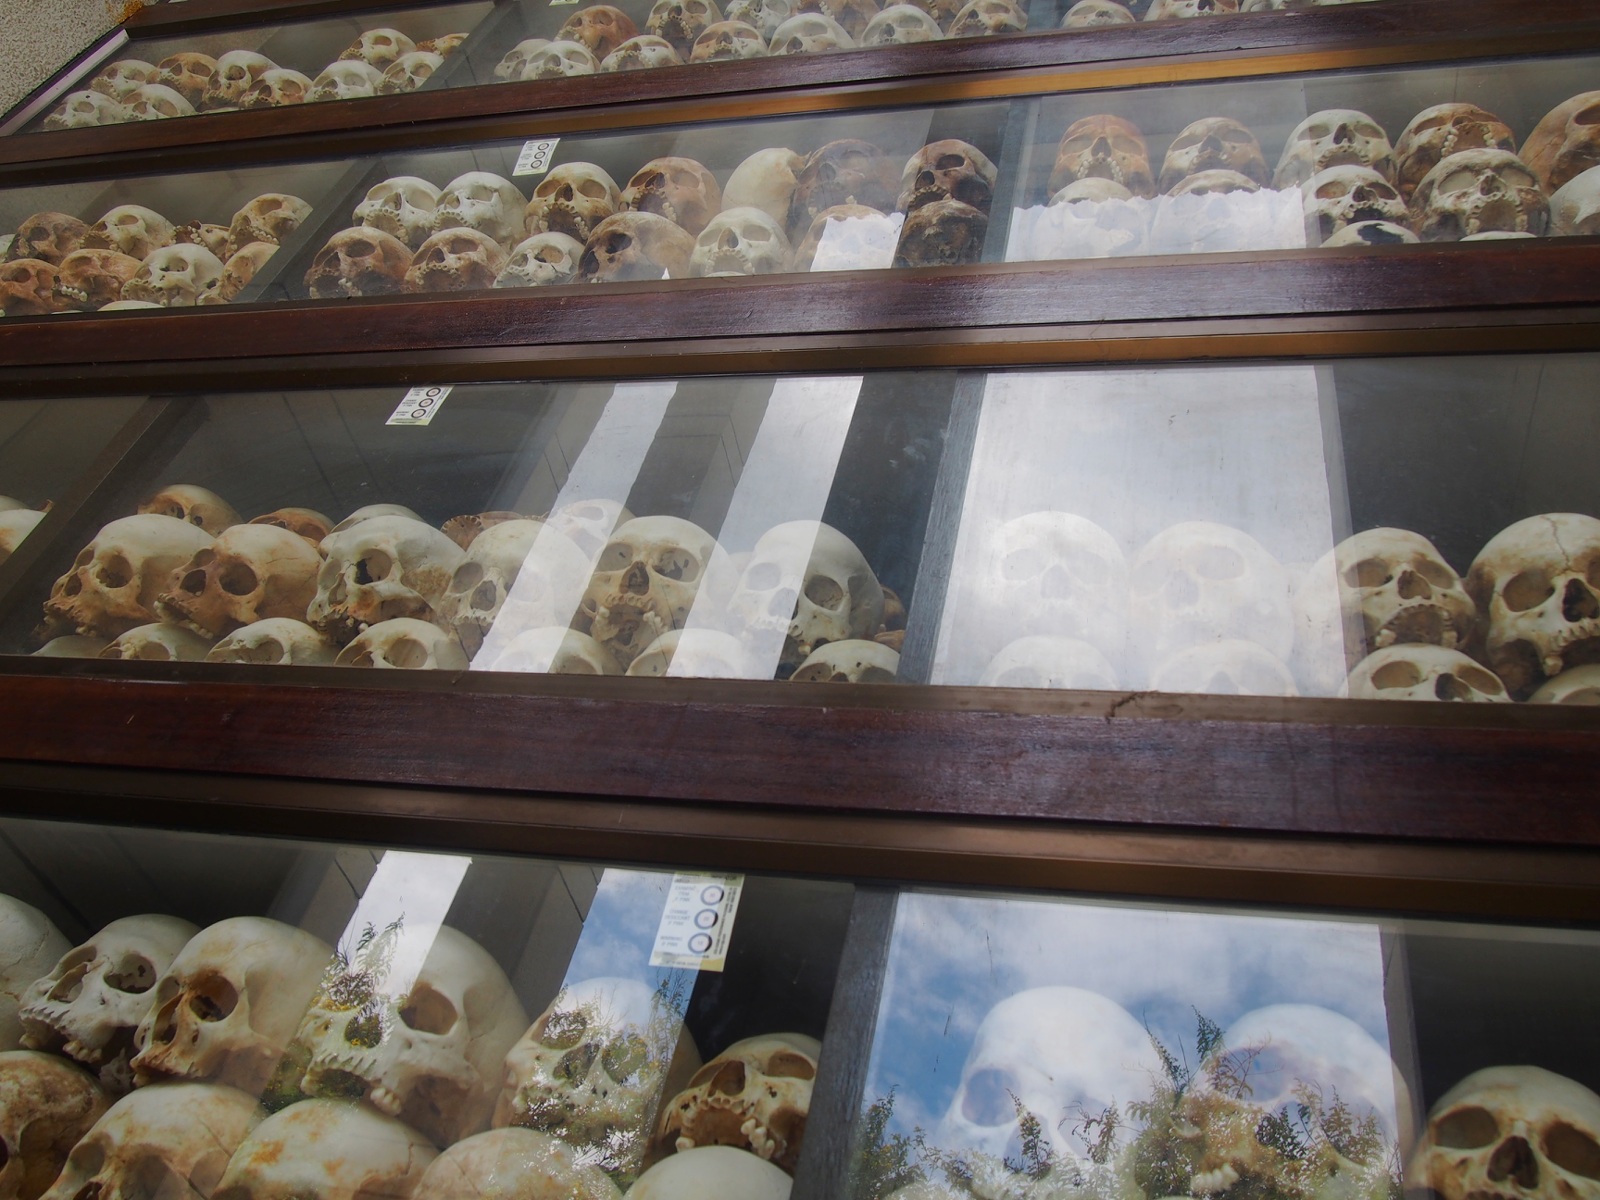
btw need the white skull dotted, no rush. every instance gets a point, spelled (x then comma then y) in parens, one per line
(1199, 582)
(403, 643)
(850, 661)
(1229, 668)
(765, 180)
(518, 572)
(809, 583)
(368, 511)
(1372, 233)
(237, 72)
(1422, 672)
(123, 77)
(985, 18)
(1479, 191)
(200, 507)
(379, 47)
(277, 88)
(1538, 582)
(740, 241)
(112, 585)
(642, 53)
(1091, 14)
(559, 60)
(728, 41)
(380, 569)
(694, 654)
(270, 217)
(15, 525)
(1339, 197)
(544, 260)
(516, 59)
(1042, 661)
(89, 1004)
(175, 276)
(1335, 137)
(345, 80)
(754, 1096)
(131, 229)
(426, 1049)
(29, 944)
(901, 25)
(765, 15)
(810, 33)
(712, 1171)
(589, 523)
(1163, 10)
(1514, 1131)
(249, 573)
(402, 207)
(645, 582)
(482, 201)
(556, 650)
(169, 1139)
(595, 1067)
(155, 102)
(409, 72)
(1575, 207)
(1581, 685)
(159, 643)
(1058, 1051)
(514, 1164)
(277, 641)
(329, 1149)
(46, 1106)
(83, 110)
(228, 1006)
(573, 199)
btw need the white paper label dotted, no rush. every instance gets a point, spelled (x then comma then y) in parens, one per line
(697, 922)
(419, 405)
(535, 156)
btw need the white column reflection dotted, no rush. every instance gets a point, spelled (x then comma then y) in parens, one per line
(410, 894)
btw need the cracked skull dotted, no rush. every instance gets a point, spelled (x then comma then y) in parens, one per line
(1340, 197)
(1422, 672)
(679, 189)
(572, 199)
(635, 246)
(379, 48)
(1213, 144)
(1104, 147)
(113, 584)
(1566, 143)
(601, 27)
(755, 1096)
(46, 1106)
(329, 1149)
(359, 262)
(642, 53)
(1479, 191)
(199, 506)
(345, 80)
(402, 207)
(847, 171)
(645, 583)
(516, 1164)
(379, 569)
(482, 201)
(680, 22)
(275, 642)
(251, 572)
(947, 170)
(236, 73)
(544, 260)
(456, 260)
(29, 944)
(175, 277)
(130, 229)
(1436, 133)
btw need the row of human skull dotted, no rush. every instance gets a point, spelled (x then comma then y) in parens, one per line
(1204, 607)
(189, 1027)
(380, 62)
(588, 590)
(1096, 14)
(133, 257)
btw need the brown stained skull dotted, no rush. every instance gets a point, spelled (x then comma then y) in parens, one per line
(90, 279)
(46, 1106)
(444, 45)
(1438, 132)
(1566, 143)
(947, 170)
(379, 48)
(49, 236)
(642, 53)
(1479, 191)
(680, 22)
(359, 262)
(187, 73)
(573, 199)
(307, 522)
(455, 260)
(277, 88)
(238, 271)
(1104, 147)
(123, 77)
(729, 41)
(853, 15)
(601, 27)
(755, 1095)
(409, 72)
(202, 233)
(847, 171)
(195, 505)
(236, 73)
(132, 229)
(28, 288)
(679, 189)
(1213, 144)
(112, 585)
(251, 572)
(378, 570)
(270, 217)
(944, 233)
(635, 246)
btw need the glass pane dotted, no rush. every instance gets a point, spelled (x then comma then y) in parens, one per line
(1040, 1047)
(243, 1018)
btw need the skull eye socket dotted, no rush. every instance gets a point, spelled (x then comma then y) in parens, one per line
(1518, 179)
(762, 576)
(786, 1065)
(826, 593)
(576, 1064)
(114, 571)
(1369, 573)
(411, 655)
(1021, 564)
(360, 247)
(615, 556)
(373, 566)
(625, 1058)
(564, 1030)
(1459, 181)
(1526, 591)
(237, 579)
(592, 188)
(1573, 1150)
(134, 974)
(1398, 675)
(988, 1101)
(1436, 573)
(950, 162)
(1478, 680)
(1315, 133)
(1332, 190)
(212, 998)
(678, 564)
(1589, 116)
(1466, 1129)
(425, 1010)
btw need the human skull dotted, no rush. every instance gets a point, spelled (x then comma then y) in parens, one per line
(409, 72)
(155, 102)
(1210, 144)
(694, 654)
(91, 279)
(444, 45)
(1226, 668)
(555, 650)
(1518, 1131)
(237, 272)
(1043, 661)
(28, 288)
(465, 529)
(680, 22)
(1538, 584)
(544, 260)
(345, 79)
(636, 246)
(809, 584)
(170, 1139)
(572, 199)
(484, 202)
(46, 1106)
(236, 73)
(402, 207)
(644, 583)
(229, 1004)
(853, 661)
(1055, 1052)
(367, 511)
(175, 276)
(515, 61)
(1335, 137)
(123, 77)
(271, 218)
(1091, 14)
(1199, 582)
(765, 15)
(942, 233)
(852, 15)
(85, 110)
(1342, 196)
(456, 260)
(726, 41)
(601, 27)
(88, 1005)
(1163, 10)
(130, 229)
(29, 943)
(1372, 233)
(588, 523)
(15, 525)
(403, 643)
(1103, 147)
(380, 569)
(159, 642)
(251, 572)
(740, 241)
(1422, 672)
(379, 47)
(983, 18)
(712, 1171)
(329, 1149)
(519, 570)
(1581, 685)
(642, 53)
(187, 73)
(594, 1068)
(48, 236)
(277, 88)
(765, 180)
(514, 1164)
(275, 642)
(202, 233)
(1566, 142)
(189, 502)
(947, 170)
(847, 171)
(112, 585)
(754, 1096)
(359, 262)
(1478, 191)
(679, 189)
(1575, 207)
(425, 1048)
(1436, 133)
(558, 60)
(810, 33)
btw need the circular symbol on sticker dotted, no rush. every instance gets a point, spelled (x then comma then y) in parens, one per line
(700, 943)
(712, 895)
(418, 413)
(705, 918)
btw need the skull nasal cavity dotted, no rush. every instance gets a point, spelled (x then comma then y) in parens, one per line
(988, 1101)
(637, 579)
(1514, 1160)
(1573, 1150)
(1414, 587)
(1579, 603)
